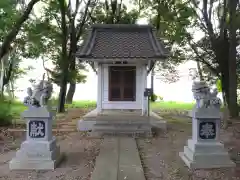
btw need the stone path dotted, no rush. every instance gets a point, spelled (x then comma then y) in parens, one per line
(118, 160)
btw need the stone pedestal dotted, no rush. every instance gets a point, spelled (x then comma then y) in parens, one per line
(40, 150)
(204, 150)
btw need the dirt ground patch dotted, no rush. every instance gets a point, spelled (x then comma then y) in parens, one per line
(161, 160)
(79, 151)
(78, 164)
(159, 154)
(65, 122)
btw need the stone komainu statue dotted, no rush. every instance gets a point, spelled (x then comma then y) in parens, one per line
(39, 96)
(204, 97)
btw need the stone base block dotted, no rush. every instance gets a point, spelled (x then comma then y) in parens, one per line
(157, 121)
(33, 164)
(35, 156)
(84, 125)
(206, 155)
(123, 134)
(159, 124)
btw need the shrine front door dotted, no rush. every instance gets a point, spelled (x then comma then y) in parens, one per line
(122, 83)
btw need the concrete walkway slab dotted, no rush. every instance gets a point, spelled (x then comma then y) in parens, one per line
(106, 167)
(130, 167)
(118, 160)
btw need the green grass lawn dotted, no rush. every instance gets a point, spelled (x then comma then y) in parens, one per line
(16, 108)
(171, 105)
(82, 104)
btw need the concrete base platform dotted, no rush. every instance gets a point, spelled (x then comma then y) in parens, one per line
(118, 159)
(120, 122)
(84, 125)
(16, 164)
(36, 155)
(206, 155)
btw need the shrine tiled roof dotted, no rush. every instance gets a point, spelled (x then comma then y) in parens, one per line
(109, 41)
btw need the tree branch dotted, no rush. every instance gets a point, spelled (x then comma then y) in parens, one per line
(57, 20)
(201, 59)
(76, 8)
(13, 33)
(223, 20)
(46, 69)
(90, 14)
(207, 20)
(80, 26)
(210, 10)
(201, 24)
(118, 11)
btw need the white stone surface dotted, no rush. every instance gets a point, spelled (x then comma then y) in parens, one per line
(205, 113)
(37, 152)
(84, 125)
(204, 149)
(41, 112)
(205, 155)
(36, 156)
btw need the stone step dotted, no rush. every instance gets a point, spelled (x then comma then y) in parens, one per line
(136, 134)
(122, 125)
(128, 118)
(121, 131)
(123, 122)
(135, 128)
(121, 119)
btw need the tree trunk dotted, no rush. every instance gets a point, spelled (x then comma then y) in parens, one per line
(2, 91)
(72, 87)
(12, 89)
(70, 94)
(221, 51)
(225, 90)
(200, 73)
(224, 76)
(62, 94)
(2, 73)
(233, 107)
(14, 31)
(64, 60)
(72, 65)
